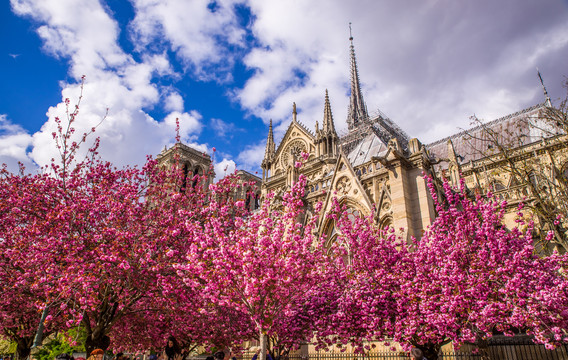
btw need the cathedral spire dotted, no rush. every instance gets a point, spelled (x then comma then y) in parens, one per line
(547, 101)
(270, 146)
(328, 125)
(294, 112)
(357, 109)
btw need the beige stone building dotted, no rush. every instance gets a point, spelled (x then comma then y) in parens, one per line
(192, 162)
(376, 168)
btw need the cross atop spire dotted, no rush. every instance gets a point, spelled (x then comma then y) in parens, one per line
(357, 112)
(547, 101)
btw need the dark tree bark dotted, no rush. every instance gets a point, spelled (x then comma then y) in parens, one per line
(24, 347)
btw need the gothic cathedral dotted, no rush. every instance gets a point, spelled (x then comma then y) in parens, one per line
(377, 169)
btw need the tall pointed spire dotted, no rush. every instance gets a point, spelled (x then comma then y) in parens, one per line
(270, 146)
(357, 108)
(326, 139)
(547, 101)
(328, 125)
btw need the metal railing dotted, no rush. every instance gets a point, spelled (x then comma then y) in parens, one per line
(499, 349)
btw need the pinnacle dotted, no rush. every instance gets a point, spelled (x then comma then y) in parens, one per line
(328, 126)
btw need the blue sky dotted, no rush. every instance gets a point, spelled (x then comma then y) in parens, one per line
(224, 68)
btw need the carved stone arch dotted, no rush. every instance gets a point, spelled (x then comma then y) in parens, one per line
(386, 221)
(196, 173)
(330, 232)
(198, 170)
(186, 169)
(497, 185)
(454, 174)
(351, 204)
(384, 205)
(329, 228)
(513, 181)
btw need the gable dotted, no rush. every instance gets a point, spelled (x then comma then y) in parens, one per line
(296, 140)
(346, 187)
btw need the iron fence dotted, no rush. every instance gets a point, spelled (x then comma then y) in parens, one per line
(499, 348)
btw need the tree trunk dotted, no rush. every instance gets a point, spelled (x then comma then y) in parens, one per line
(99, 342)
(483, 347)
(23, 348)
(430, 351)
(39, 333)
(262, 355)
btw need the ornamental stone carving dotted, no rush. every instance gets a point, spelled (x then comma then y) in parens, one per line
(343, 185)
(292, 151)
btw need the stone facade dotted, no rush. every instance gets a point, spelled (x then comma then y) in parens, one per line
(192, 161)
(376, 168)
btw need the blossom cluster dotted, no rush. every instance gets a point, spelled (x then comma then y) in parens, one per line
(136, 254)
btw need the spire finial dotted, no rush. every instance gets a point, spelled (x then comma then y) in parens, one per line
(357, 109)
(294, 112)
(547, 101)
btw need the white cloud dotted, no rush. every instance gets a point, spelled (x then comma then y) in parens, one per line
(83, 32)
(224, 129)
(79, 30)
(224, 168)
(14, 142)
(250, 158)
(173, 102)
(188, 124)
(9, 128)
(198, 31)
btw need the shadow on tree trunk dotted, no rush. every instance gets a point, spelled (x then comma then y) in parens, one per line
(101, 342)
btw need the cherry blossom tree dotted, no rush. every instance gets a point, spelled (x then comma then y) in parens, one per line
(86, 243)
(263, 268)
(471, 277)
(28, 291)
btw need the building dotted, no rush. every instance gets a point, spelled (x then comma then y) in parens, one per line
(192, 161)
(376, 168)
(196, 163)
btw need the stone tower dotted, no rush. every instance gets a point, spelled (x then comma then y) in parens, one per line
(192, 161)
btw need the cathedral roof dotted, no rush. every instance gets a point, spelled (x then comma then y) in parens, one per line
(470, 144)
(370, 146)
(380, 126)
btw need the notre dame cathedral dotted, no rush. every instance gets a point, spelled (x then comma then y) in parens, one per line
(376, 168)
